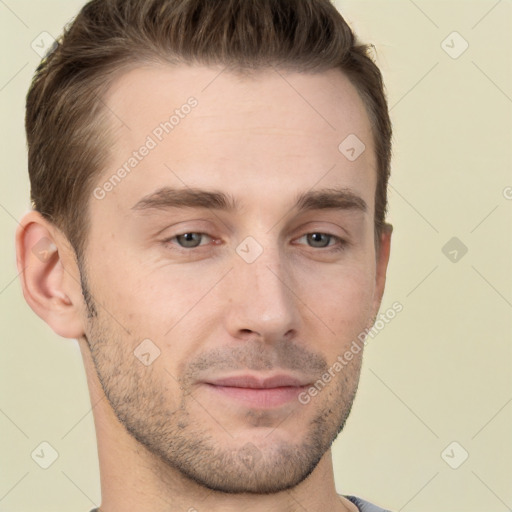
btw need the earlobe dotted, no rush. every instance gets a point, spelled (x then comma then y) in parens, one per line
(49, 275)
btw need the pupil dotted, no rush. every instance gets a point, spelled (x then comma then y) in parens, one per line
(316, 238)
(190, 237)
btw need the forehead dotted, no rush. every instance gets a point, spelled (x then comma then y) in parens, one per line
(320, 102)
(208, 127)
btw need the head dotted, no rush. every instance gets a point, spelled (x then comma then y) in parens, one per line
(188, 161)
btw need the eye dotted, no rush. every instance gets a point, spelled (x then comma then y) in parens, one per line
(322, 240)
(189, 240)
(317, 240)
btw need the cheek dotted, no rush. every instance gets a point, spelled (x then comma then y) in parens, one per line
(129, 290)
(342, 300)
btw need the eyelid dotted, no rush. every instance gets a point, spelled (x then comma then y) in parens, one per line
(198, 225)
(320, 226)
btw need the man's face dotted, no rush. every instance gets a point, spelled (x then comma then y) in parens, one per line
(267, 289)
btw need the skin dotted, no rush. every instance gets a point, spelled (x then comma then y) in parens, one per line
(166, 440)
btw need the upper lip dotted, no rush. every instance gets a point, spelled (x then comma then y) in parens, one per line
(255, 382)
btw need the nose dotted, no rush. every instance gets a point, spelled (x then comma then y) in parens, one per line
(262, 300)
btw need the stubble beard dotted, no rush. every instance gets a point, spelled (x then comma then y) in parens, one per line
(197, 447)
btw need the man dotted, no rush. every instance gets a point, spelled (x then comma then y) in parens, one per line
(209, 188)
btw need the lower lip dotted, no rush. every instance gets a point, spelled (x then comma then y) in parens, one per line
(260, 398)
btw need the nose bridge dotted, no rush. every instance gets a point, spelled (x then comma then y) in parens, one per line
(262, 300)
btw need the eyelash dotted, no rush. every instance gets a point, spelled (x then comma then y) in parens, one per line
(339, 246)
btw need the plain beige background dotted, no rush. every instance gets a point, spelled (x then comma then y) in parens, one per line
(438, 374)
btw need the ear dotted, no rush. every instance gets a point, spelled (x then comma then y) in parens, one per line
(49, 274)
(382, 259)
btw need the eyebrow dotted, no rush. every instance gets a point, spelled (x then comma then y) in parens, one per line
(322, 199)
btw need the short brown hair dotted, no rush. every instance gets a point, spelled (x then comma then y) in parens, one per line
(66, 117)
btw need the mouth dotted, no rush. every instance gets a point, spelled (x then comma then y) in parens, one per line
(259, 392)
